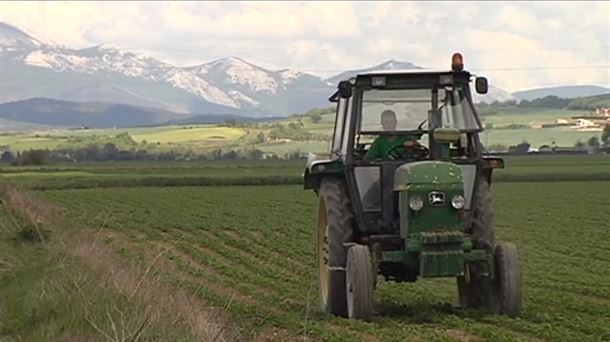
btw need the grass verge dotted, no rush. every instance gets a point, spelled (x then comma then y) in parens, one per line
(58, 283)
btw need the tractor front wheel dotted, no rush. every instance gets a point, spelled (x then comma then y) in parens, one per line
(359, 283)
(506, 285)
(501, 294)
(335, 224)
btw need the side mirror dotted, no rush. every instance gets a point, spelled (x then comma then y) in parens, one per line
(481, 85)
(345, 89)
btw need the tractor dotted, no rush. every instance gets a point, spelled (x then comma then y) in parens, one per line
(422, 210)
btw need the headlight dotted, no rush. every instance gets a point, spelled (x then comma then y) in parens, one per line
(416, 203)
(458, 202)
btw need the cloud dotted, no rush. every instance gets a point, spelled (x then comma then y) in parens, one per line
(327, 37)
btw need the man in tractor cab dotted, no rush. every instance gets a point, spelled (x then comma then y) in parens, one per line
(384, 143)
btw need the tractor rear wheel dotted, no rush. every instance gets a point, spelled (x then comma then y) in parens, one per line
(335, 224)
(476, 293)
(359, 283)
(482, 224)
(506, 285)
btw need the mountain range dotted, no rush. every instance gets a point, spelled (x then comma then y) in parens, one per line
(34, 68)
(38, 113)
(566, 92)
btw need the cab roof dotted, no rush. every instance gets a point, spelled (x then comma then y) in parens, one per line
(405, 79)
(405, 71)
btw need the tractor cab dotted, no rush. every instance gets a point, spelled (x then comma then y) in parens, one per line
(405, 191)
(432, 109)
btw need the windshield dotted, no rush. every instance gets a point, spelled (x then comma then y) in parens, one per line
(407, 109)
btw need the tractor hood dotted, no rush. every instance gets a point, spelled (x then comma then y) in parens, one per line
(436, 174)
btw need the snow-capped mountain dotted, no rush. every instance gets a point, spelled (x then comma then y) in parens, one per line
(31, 67)
(388, 65)
(14, 39)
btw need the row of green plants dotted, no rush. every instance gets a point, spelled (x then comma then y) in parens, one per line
(543, 168)
(251, 250)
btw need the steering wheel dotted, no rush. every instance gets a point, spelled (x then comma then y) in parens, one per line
(419, 151)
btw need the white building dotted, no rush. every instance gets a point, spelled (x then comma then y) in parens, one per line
(584, 123)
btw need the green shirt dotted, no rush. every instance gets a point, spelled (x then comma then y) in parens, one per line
(381, 146)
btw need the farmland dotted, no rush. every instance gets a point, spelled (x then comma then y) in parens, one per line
(249, 251)
(261, 172)
(204, 138)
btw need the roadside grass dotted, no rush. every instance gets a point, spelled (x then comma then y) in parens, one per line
(58, 284)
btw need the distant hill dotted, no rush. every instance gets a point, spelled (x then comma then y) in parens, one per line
(50, 112)
(32, 68)
(10, 126)
(590, 102)
(566, 92)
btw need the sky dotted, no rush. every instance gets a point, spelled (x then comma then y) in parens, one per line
(517, 45)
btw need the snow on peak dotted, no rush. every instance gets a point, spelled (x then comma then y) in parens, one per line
(85, 61)
(289, 75)
(14, 39)
(236, 71)
(108, 47)
(190, 82)
(241, 97)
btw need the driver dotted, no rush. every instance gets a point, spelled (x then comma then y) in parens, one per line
(384, 143)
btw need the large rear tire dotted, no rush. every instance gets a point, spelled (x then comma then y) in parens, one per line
(359, 283)
(476, 293)
(335, 224)
(483, 224)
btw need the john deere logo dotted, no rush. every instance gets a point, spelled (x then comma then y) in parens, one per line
(437, 198)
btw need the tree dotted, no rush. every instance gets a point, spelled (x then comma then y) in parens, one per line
(32, 157)
(230, 122)
(7, 156)
(606, 136)
(110, 152)
(579, 144)
(593, 143)
(522, 148)
(255, 154)
(315, 117)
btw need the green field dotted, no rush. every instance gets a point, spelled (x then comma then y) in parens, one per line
(535, 135)
(203, 138)
(530, 116)
(261, 172)
(249, 251)
(254, 247)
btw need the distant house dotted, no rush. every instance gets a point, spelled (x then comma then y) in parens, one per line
(584, 123)
(561, 121)
(602, 111)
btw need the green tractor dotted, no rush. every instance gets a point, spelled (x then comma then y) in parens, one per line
(420, 207)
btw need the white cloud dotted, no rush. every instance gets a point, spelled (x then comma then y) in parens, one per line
(325, 37)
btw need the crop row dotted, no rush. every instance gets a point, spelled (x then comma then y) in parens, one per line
(251, 250)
